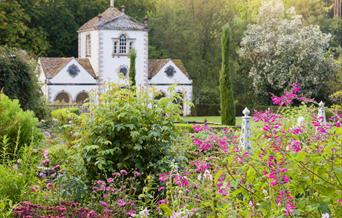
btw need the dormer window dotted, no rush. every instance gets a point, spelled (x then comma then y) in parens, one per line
(123, 46)
(88, 45)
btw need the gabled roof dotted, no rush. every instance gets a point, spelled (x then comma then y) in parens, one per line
(155, 65)
(52, 66)
(112, 18)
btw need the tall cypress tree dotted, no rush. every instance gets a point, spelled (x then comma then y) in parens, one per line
(226, 89)
(132, 67)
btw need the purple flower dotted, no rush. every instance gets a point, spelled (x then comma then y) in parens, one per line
(123, 172)
(121, 203)
(137, 173)
(103, 204)
(131, 213)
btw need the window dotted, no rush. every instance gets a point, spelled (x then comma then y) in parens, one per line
(62, 97)
(82, 97)
(88, 46)
(73, 70)
(123, 40)
(115, 50)
(124, 70)
(170, 71)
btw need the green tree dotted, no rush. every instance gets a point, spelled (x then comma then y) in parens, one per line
(19, 81)
(226, 90)
(132, 67)
(16, 30)
(280, 50)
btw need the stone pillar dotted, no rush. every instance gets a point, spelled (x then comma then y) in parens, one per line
(246, 132)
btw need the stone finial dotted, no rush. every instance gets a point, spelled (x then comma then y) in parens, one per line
(111, 3)
(123, 8)
(246, 112)
(321, 104)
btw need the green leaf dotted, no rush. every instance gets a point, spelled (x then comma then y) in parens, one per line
(166, 209)
(217, 176)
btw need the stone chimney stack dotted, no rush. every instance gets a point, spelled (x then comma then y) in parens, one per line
(111, 3)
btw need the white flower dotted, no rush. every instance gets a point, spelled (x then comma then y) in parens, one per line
(144, 213)
(207, 175)
(325, 215)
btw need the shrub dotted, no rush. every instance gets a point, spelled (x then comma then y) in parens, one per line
(18, 126)
(128, 129)
(19, 81)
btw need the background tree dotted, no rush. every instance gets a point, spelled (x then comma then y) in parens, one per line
(226, 90)
(18, 80)
(281, 51)
(132, 67)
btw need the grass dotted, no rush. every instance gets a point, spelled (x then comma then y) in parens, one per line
(210, 119)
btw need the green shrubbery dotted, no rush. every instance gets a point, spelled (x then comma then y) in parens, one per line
(17, 127)
(129, 130)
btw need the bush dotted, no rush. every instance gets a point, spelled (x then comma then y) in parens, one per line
(18, 80)
(129, 130)
(17, 127)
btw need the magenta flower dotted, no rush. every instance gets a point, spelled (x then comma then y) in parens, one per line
(161, 188)
(110, 180)
(136, 173)
(121, 202)
(131, 213)
(164, 177)
(181, 181)
(103, 204)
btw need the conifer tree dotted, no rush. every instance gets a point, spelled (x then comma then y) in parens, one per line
(132, 67)
(226, 89)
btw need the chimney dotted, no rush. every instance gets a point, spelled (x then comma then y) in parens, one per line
(111, 3)
(123, 8)
(146, 21)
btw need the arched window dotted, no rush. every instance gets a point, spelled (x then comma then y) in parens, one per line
(63, 97)
(123, 46)
(159, 95)
(82, 97)
(124, 70)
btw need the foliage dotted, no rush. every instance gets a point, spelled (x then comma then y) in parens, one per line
(132, 67)
(226, 90)
(281, 51)
(128, 130)
(293, 170)
(16, 29)
(18, 128)
(18, 80)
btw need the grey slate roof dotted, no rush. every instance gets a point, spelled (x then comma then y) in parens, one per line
(155, 65)
(112, 19)
(52, 66)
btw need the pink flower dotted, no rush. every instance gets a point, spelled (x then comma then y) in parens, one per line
(121, 203)
(136, 173)
(164, 177)
(161, 188)
(110, 180)
(103, 204)
(46, 154)
(181, 181)
(131, 213)
(340, 201)
(123, 172)
(49, 186)
(163, 201)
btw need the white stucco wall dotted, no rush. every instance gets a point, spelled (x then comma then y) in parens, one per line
(63, 81)
(110, 65)
(73, 90)
(95, 44)
(179, 77)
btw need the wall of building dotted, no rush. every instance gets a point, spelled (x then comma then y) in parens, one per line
(110, 64)
(95, 44)
(178, 78)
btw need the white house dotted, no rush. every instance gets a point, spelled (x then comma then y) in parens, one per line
(104, 45)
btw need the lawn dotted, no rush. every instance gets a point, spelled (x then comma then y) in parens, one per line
(209, 119)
